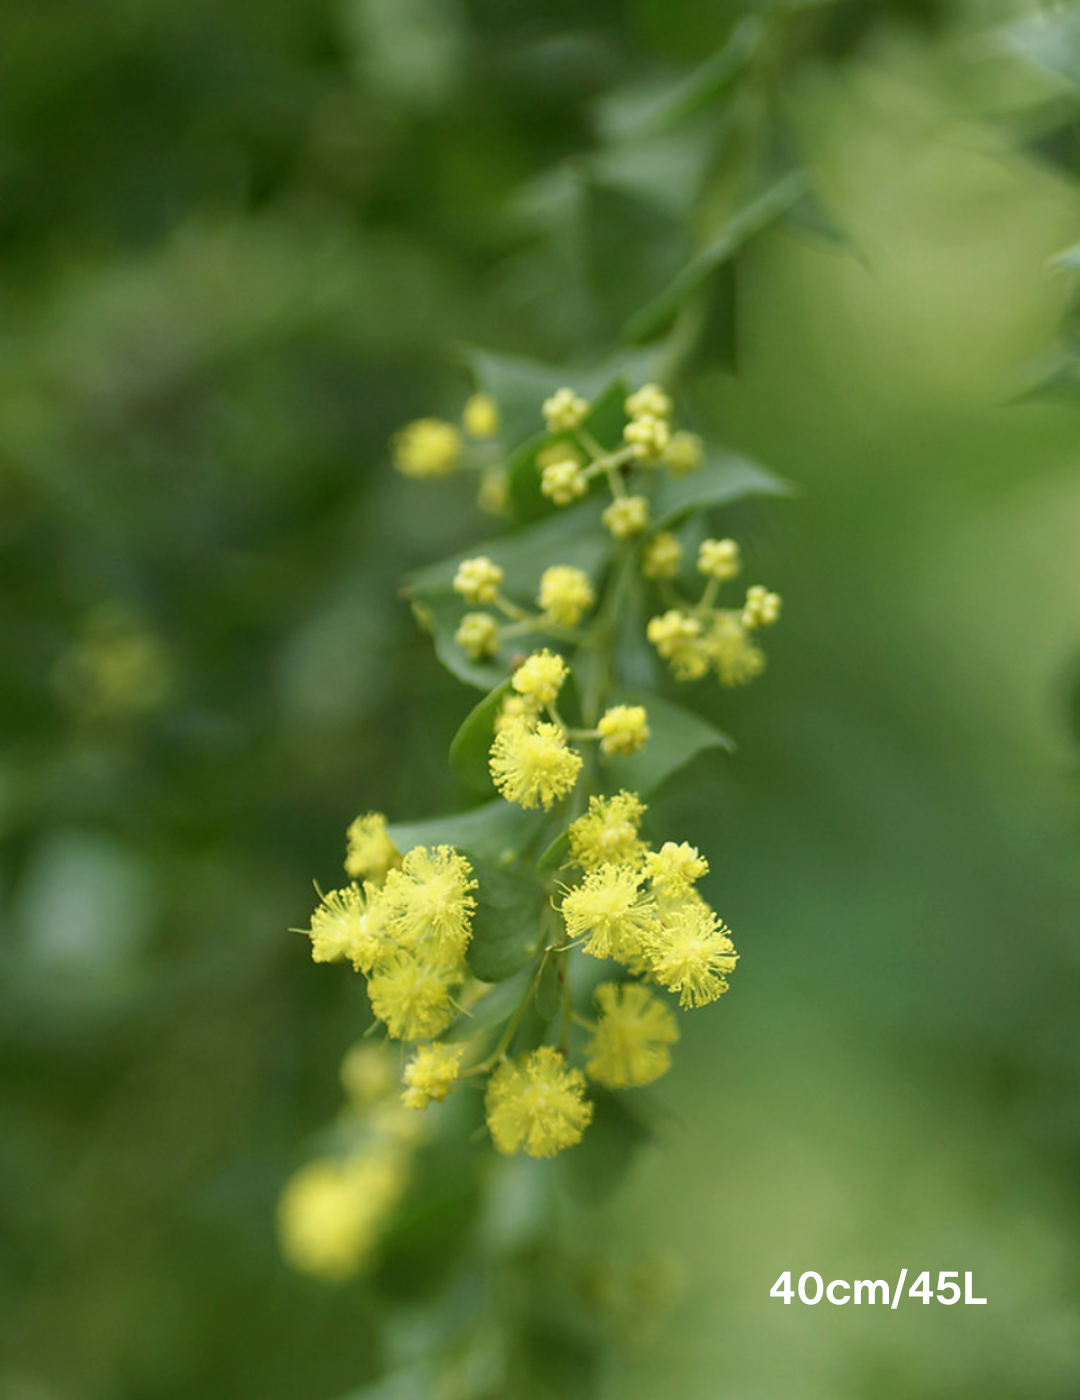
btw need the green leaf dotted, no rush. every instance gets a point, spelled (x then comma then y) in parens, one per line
(493, 1008)
(506, 927)
(632, 248)
(677, 737)
(555, 854)
(724, 477)
(439, 612)
(497, 831)
(606, 1152)
(471, 745)
(1050, 40)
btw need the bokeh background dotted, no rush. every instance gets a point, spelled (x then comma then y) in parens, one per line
(239, 245)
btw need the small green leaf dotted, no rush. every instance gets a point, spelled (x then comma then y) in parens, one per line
(677, 737)
(555, 855)
(725, 477)
(506, 927)
(632, 247)
(497, 831)
(471, 745)
(492, 1009)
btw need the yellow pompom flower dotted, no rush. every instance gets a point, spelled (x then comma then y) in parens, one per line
(332, 1211)
(692, 953)
(648, 436)
(565, 595)
(678, 638)
(623, 730)
(684, 453)
(761, 609)
(431, 1074)
(478, 580)
(428, 447)
(563, 482)
(661, 556)
(368, 1073)
(411, 995)
(629, 1046)
(610, 907)
(478, 636)
(537, 1104)
(540, 677)
(564, 411)
(608, 832)
(650, 401)
(480, 416)
(626, 517)
(370, 852)
(346, 925)
(427, 905)
(675, 867)
(736, 657)
(531, 764)
(514, 707)
(719, 559)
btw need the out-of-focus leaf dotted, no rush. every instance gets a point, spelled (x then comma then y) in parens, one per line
(632, 248)
(606, 1152)
(493, 1008)
(1051, 39)
(677, 737)
(506, 926)
(725, 477)
(471, 745)
(497, 831)
(555, 854)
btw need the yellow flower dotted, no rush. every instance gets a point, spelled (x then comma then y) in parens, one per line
(661, 557)
(650, 401)
(478, 636)
(565, 594)
(674, 868)
(346, 925)
(626, 516)
(540, 677)
(478, 580)
(368, 1073)
(736, 657)
(623, 730)
(677, 637)
(412, 995)
(531, 763)
(762, 608)
(564, 411)
(608, 832)
(719, 559)
(536, 1105)
(629, 1046)
(683, 453)
(513, 707)
(611, 908)
(370, 853)
(563, 482)
(332, 1211)
(427, 905)
(431, 1074)
(692, 953)
(480, 416)
(428, 447)
(648, 436)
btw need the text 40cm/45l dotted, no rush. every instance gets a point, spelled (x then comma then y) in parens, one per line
(812, 1288)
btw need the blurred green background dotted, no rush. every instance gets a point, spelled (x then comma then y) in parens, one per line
(238, 248)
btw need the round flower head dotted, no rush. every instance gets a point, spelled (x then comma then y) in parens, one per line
(735, 656)
(629, 1046)
(370, 852)
(650, 401)
(478, 580)
(563, 482)
(719, 559)
(531, 763)
(626, 517)
(346, 925)
(684, 453)
(427, 904)
(675, 867)
(332, 1211)
(478, 636)
(537, 1104)
(661, 557)
(608, 832)
(540, 677)
(762, 608)
(623, 730)
(611, 908)
(648, 436)
(677, 637)
(692, 953)
(428, 447)
(565, 594)
(431, 1074)
(411, 996)
(480, 416)
(564, 411)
